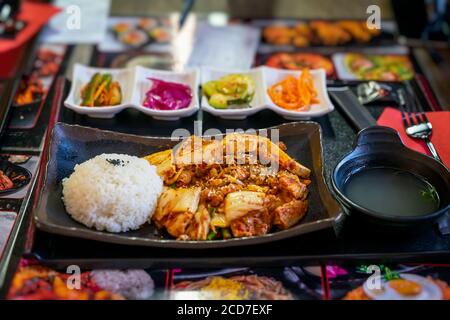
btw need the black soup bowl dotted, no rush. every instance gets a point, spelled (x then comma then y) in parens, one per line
(381, 147)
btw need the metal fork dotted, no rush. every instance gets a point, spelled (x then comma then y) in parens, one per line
(416, 123)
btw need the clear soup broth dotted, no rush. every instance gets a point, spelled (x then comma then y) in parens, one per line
(392, 192)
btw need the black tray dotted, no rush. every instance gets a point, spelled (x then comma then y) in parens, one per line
(353, 243)
(70, 145)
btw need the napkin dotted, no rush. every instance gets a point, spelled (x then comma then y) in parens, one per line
(441, 132)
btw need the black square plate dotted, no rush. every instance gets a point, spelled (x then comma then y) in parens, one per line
(71, 145)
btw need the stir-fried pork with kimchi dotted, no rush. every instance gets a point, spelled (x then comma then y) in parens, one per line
(241, 186)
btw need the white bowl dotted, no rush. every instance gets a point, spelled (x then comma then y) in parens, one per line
(134, 84)
(272, 76)
(141, 85)
(234, 112)
(82, 75)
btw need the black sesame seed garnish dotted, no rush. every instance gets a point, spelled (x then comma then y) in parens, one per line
(118, 162)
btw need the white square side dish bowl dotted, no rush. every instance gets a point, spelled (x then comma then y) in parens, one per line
(82, 75)
(233, 112)
(142, 84)
(272, 76)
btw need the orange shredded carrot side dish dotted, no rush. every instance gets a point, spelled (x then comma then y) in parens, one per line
(296, 94)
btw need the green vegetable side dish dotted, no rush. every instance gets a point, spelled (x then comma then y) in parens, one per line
(89, 91)
(101, 91)
(230, 90)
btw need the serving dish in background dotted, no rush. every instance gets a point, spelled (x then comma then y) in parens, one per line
(291, 34)
(71, 145)
(376, 67)
(150, 31)
(265, 283)
(18, 176)
(297, 61)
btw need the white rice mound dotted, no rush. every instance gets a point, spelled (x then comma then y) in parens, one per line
(112, 192)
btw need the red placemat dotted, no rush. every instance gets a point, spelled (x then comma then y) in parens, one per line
(36, 16)
(441, 132)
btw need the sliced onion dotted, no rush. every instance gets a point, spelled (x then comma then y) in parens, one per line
(165, 95)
